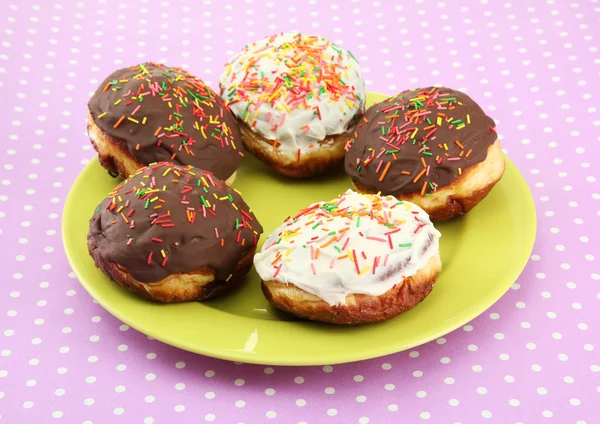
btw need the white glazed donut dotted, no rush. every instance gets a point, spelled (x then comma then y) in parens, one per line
(293, 93)
(359, 258)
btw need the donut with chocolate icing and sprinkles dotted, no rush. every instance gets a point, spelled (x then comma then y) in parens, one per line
(174, 233)
(151, 112)
(296, 97)
(432, 146)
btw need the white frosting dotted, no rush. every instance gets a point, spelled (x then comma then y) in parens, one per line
(289, 255)
(325, 89)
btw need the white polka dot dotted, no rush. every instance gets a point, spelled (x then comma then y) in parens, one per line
(300, 402)
(332, 412)
(119, 411)
(331, 390)
(299, 380)
(547, 413)
(269, 392)
(486, 414)
(327, 368)
(393, 407)
(425, 415)
(239, 382)
(387, 387)
(180, 408)
(240, 403)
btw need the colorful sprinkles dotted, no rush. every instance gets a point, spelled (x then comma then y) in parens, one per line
(357, 243)
(152, 105)
(320, 218)
(165, 206)
(410, 122)
(289, 74)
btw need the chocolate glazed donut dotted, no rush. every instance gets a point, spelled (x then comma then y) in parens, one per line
(150, 113)
(172, 233)
(432, 146)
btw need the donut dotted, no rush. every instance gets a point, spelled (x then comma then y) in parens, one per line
(296, 98)
(357, 259)
(431, 146)
(151, 113)
(173, 233)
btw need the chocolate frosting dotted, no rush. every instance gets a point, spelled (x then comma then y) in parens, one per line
(167, 114)
(169, 219)
(418, 141)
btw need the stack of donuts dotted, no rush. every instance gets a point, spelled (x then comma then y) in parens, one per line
(174, 229)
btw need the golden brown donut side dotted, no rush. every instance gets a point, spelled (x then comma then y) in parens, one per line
(112, 153)
(463, 194)
(195, 285)
(329, 155)
(359, 308)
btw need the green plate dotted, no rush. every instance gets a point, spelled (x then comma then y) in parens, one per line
(483, 253)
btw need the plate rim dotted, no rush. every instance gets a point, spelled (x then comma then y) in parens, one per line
(459, 320)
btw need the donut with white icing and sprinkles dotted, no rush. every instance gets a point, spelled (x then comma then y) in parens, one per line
(356, 259)
(297, 98)
(432, 146)
(152, 112)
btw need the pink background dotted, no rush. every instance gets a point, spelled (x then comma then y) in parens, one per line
(532, 358)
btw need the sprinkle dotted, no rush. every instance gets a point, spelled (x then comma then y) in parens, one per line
(355, 259)
(102, 115)
(385, 170)
(420, 175)
(119, 121)
(277, 270)
(149, 258)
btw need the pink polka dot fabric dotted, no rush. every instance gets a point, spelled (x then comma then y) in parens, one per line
(534, 357)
